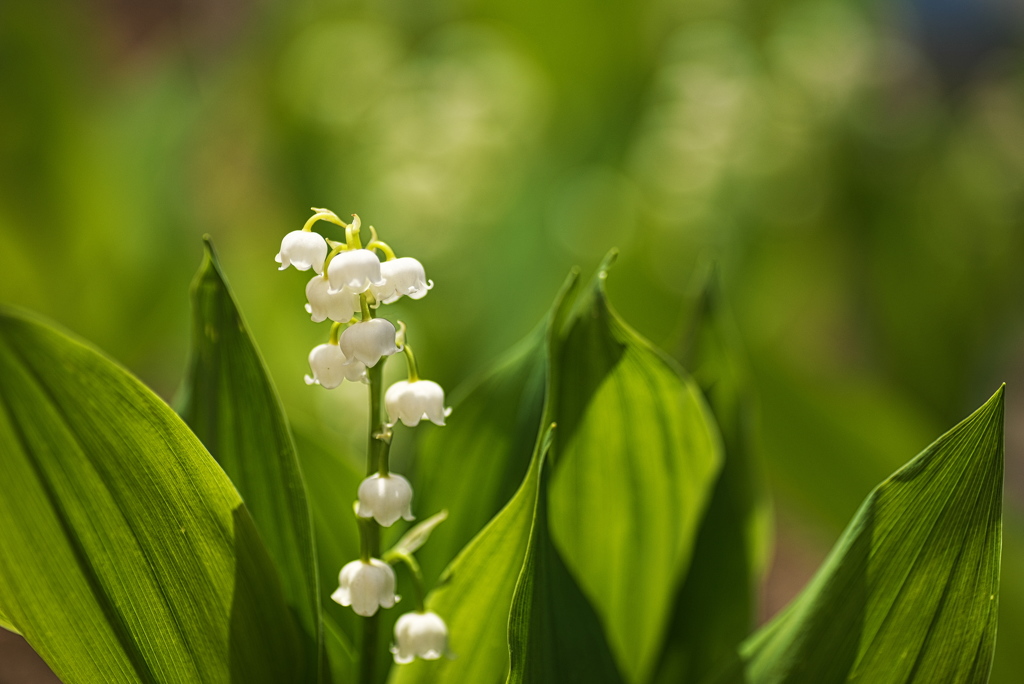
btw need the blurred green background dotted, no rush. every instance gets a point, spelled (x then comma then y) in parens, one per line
(856, 169)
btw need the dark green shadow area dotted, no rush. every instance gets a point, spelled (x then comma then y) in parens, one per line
(252, 609)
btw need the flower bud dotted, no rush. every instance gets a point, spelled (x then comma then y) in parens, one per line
(330, 366)
(366, 586)
(302, 249)
(421, 635)
(323, 304)
(354, 271)
(367, 341)
(403, 276)
(412, 401)
(385, 499)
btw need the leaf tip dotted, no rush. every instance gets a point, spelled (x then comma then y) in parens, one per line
(609, 260)
(997, 399)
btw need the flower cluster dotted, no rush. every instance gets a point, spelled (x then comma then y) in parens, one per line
(350, 285)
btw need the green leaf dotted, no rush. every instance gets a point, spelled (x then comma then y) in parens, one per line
(342, 657)
(6, 624)
(910, 591)
(635, 457)
(474, 596)
(472, 466)
(715, 608)
(126, 554)
(230, 403)
(554, 635)
(332, 482)
(414, 539)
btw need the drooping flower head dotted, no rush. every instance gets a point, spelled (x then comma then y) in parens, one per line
(385, 498)
(367, 341)
(302, 249)
(419, 635)
(324, 304)
(413, 400)
(330, 366)
(354, 271)
(366, 586)
(402, 277)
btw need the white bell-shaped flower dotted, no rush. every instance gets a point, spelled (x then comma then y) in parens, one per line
(367, 341)
(330, 366)
(422, 635)
(366, 586)
(412, 401)
(355, 271)
(403, 276)
(303, 249)
(385, 499)
(323, 304)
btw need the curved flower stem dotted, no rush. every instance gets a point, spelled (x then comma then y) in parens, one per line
(410, 363)
(418, 590)
(365, 305)
(352, 233)
(371, 530)
(323, 215)
(410, 358)
(389, 254)
(333, 253)
(335, 332)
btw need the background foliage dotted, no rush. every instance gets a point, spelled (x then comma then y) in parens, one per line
(855, 169)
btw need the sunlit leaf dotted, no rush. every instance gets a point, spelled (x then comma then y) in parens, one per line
(910, 591)
(635, 457)
(419, 535)
(715, 608)
(554, 635)
(230, 403)
(6, 624)
(472, 466)
(474, 596)
(126, 555)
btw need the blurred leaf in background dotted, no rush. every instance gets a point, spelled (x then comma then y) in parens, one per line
(854, 167)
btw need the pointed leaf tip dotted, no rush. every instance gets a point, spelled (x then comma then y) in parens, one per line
(609, 260)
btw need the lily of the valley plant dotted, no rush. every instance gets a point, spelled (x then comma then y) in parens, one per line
(608, 509)
(350, 285)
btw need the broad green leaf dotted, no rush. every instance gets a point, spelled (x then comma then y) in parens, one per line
(910, 591)
(715, 608)
(126, 554)
(554, 635)
(472, 465)
(332, 482)
(635, 457)
(474, 596)
(230, 403)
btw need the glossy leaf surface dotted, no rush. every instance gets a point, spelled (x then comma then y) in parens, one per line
(635, 457)
(126, 554)
(230, 403)
(910, 591)
(474, 597)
